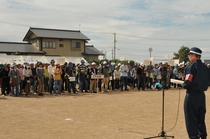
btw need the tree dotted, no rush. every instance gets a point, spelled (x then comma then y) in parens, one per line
(182, 54)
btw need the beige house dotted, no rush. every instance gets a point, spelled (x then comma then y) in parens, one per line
(53, 42)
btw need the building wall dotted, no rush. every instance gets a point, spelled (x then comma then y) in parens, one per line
(91, 58)
(36, 43)
(63, 47)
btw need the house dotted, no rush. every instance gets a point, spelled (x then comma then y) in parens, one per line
(18, 48)
(91, 53)
(53, 42)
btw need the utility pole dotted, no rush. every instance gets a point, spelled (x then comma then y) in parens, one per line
(112, 54)
(114, 45)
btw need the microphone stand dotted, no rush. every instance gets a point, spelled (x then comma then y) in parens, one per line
(162, 133)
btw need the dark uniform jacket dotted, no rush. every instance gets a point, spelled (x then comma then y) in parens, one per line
(197, 77)
(92, 71)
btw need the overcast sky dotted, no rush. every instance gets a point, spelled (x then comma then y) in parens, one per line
(163, 25)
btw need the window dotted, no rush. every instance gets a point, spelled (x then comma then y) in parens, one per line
(60, 39)
(61, 45)
(76, 44)
(48, 45)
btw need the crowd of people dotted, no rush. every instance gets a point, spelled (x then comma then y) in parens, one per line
(41, 78)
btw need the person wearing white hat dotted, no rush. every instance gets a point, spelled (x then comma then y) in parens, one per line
(40, 77)
(123, 75)
(105, 82)
(93, 71)
(14, 75)
(111, 71)
(196, 82)
(50, 71)
(116, 76)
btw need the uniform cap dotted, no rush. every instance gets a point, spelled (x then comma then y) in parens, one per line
(39, 63)
(70, 64)
(52, 61)
(82, 61)
(195, 50)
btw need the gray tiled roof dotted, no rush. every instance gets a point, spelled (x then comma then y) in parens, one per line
(7, 47)
(56, 33)
(91, 50)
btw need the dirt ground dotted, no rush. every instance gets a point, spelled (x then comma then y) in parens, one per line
(113, 115)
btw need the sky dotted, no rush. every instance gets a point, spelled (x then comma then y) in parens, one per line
(163, 25)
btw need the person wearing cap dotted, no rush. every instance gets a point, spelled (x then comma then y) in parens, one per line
(156, 74)
(164, 74)
(40, 77)
(175, 73)
(196, 82)
(34, 77)
(134, 74)
(83, 83)
(105, 70)
(124, 75)
(149, 75)
(63, 78)
(46, 77)
(57, 71)
(21, 68)
(50, 71)
(112, 68)
(27, 79)
(93, 71)
(116, 76)
(14, 75)
(69, 72)
(4, 75)
(140, 77)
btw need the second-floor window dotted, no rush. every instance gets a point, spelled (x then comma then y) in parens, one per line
(61, 45)
(48, 44)
(76, 45)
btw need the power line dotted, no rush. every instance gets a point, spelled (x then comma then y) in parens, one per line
(13, 23)
(161, 38)
(132, 36)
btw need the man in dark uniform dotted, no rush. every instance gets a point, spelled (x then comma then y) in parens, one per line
(196, 82)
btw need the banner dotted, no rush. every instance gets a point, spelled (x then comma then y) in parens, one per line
(171, 62)
(146, 62)
(71, 79)
(60, 60)
(97, 76)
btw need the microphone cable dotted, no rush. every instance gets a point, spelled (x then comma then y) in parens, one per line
(177, 116)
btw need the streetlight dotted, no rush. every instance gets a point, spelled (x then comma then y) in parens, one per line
(150, 50)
